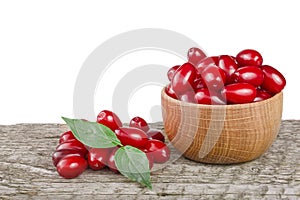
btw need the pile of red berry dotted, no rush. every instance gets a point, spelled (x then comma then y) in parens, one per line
(224, 79)
(71, 157)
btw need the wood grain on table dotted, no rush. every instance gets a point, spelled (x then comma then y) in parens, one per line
(26, 171)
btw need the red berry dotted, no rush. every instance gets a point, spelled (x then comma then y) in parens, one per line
(149, 156)
(183, 79)
(140, 123)
(228, 64)
(156, 135)
(67, 136)
(274, 81)
(194, 55)
(150, 160)
(214, 77)
(170, 92)
(71, 167)
(72, 145)
(98, 157)
(58, 155)
(188, 96)
(109, 119)
(111, 160)
(217, 98)
(249, 57)
(200, 83)
(262, 95)
(202, 96)
(215, 59)
(172, 71)
(249, 74)
(208, 61)
(132, 136)
(159, 151)
(239, 93)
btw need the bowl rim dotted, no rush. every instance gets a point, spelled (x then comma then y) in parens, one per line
(252, 104)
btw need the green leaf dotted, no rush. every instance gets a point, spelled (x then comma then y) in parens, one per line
(133, 163)
(92, 134)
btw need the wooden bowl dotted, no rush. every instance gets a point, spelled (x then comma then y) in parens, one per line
(222, 134)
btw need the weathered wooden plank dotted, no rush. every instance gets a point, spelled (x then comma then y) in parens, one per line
(27, 171)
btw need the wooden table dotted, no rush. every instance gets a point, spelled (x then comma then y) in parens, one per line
(27, 172)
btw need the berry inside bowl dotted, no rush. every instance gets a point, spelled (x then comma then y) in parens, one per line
(222, 134)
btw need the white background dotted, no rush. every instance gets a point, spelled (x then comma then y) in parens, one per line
(43, 45)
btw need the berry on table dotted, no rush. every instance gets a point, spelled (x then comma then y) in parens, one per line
(131, 136)
(155, 134)
(159, 151)
(72, 145)
(97, 157)
(66, 136)
(58, 155)
(109, 119)
(71, 167)
(140, 123)
(111, 161)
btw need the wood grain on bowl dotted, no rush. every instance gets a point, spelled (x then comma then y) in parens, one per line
(222, 134)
